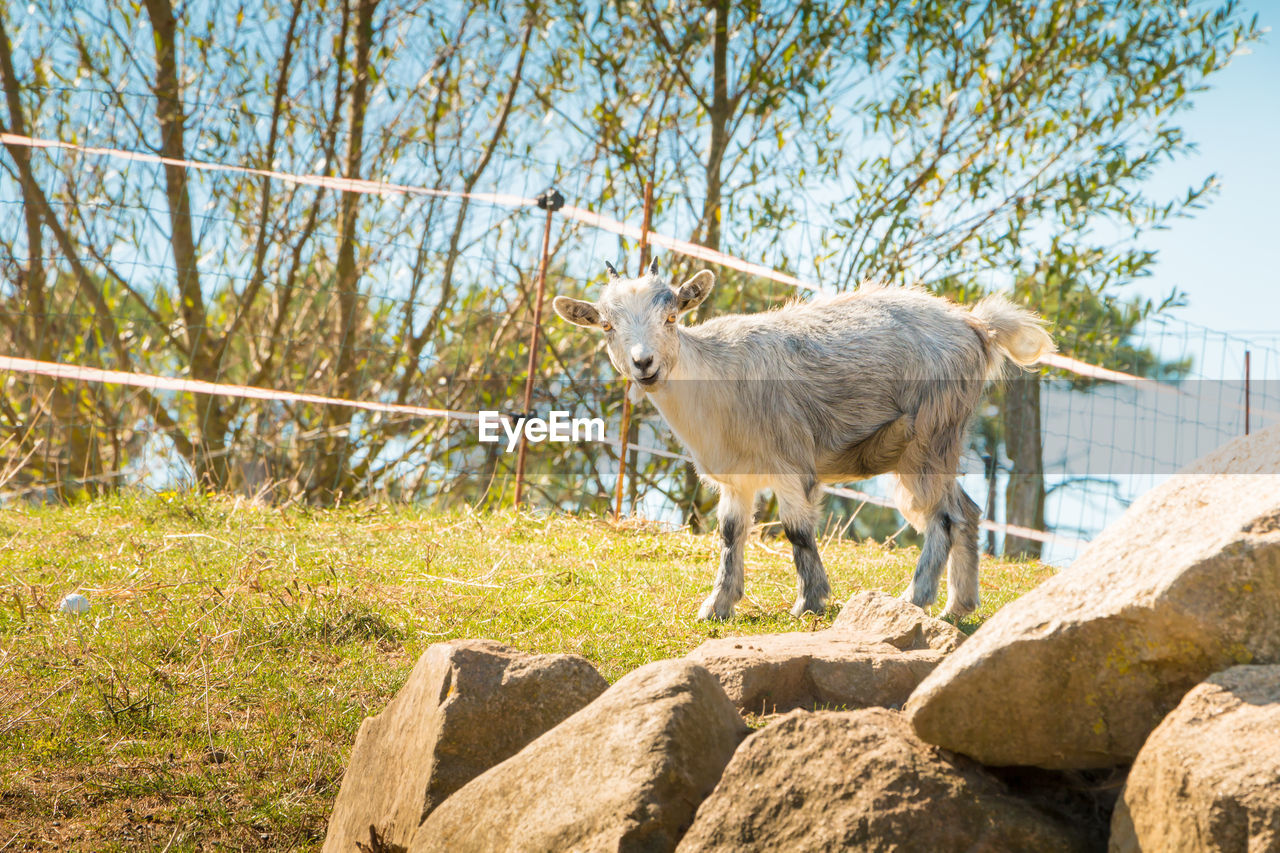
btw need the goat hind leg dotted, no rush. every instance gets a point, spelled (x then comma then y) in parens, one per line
(962, 564)
(735, 511)
(933, 556)
(921, 498)
(797, 506)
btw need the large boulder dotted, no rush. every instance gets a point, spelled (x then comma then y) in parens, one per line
(1208, 778)
(874, 654)
(862, 780)
(822, 669)
(467, 705)
(1077, 672)
(624, 773)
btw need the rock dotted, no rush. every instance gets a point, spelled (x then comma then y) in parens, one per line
(874, 654)
(1077, 672)
(899, 623)
(862, 780)
(467, 705)
(624, 773)
(778, 672)
(1208, 778)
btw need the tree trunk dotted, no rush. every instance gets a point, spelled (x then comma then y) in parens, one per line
(719, 115)
(1025, 493)
(700, 499)
(211, 463)
(331, 474)
(70, 423)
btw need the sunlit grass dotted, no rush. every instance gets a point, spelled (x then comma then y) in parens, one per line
(210, 696)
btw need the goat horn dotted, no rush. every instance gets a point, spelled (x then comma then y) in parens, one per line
(612, 272)
(653, 267)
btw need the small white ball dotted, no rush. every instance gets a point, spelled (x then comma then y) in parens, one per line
(74, 603)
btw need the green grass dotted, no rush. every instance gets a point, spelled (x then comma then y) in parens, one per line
(210, 696)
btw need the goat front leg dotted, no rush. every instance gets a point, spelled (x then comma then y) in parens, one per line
(797, 505)
(736, 509)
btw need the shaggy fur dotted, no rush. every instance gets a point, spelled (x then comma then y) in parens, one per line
(840, 388)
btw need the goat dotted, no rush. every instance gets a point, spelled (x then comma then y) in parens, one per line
(879, 380)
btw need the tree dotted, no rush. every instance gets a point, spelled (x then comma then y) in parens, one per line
(962, 145)
(239, 279)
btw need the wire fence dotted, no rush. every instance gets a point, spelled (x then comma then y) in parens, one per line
(1106, 444)
(293, 355)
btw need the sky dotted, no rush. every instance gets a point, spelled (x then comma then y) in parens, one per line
(1227, 258)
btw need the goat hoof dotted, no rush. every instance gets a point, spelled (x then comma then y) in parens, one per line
(714, 609)
(921, 601)
(803, 606)
(959, 609)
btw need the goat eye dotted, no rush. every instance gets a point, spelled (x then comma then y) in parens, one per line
(606, 325)
(671, 318)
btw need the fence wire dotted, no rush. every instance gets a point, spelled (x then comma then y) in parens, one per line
(427, 303)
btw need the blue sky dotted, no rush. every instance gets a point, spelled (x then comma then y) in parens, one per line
(1227, 258)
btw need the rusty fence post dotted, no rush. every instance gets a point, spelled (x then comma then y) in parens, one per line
(550, 201)
(625, 429)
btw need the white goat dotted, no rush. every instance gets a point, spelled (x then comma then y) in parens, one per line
(840, 388)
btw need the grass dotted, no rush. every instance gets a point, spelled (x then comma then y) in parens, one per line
(209, 698)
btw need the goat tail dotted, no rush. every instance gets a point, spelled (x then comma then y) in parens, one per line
(1017, 333)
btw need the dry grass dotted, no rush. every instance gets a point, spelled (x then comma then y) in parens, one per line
(209, 697)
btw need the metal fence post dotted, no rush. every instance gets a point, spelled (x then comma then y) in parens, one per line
(1246, 391)
(626, 398)
(550, 201)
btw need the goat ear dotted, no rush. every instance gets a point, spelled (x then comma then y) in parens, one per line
(576, 311)
(690, 294)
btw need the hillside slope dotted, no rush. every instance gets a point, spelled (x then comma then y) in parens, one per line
(210, 694)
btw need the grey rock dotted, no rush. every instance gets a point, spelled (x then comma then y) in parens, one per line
(1208, 778)
(467, 705)
(625, 773)
(901, 624)
(822, 669)
(863, 781)
(1078, 672)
